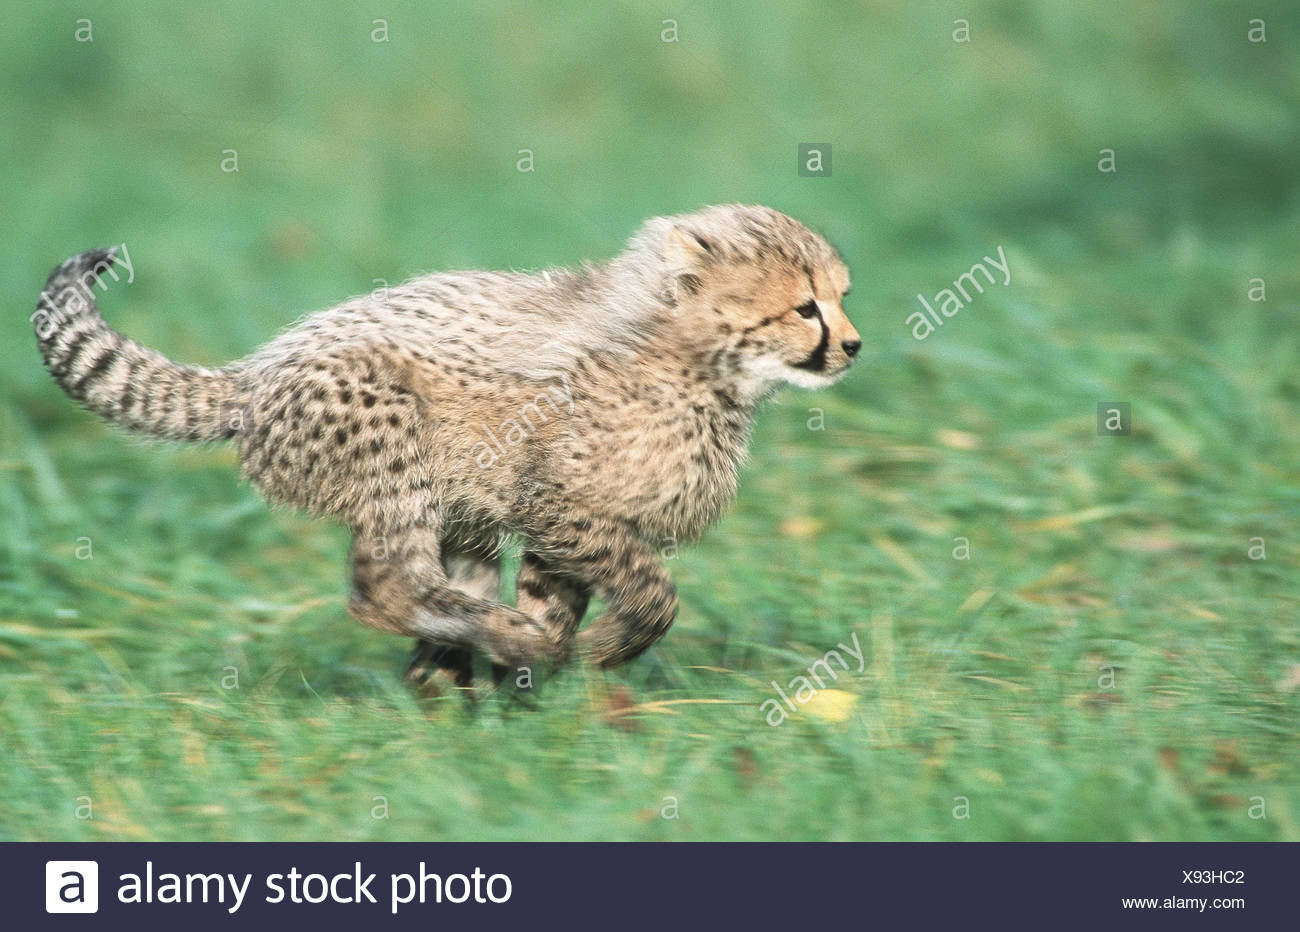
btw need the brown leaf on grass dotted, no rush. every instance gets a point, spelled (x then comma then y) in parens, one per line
(993, 655)
(1227, 801)
(1227, 760)
(891, 458)
(1168, 758)
(618, 705)
(1095, 702)
(746, 764)
(1063, 584)
(1005, 684)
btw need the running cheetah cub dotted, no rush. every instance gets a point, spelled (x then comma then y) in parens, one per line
(591, 414)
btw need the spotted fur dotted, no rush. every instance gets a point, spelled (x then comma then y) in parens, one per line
(593, 414)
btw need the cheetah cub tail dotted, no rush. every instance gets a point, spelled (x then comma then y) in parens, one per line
(118, 378)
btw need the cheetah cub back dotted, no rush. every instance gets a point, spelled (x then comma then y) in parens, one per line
(588, 413)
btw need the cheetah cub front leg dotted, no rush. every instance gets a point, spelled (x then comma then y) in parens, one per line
(549, 596)
(611, 559)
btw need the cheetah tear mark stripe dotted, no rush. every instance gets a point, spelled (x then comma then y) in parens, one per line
(816, 360)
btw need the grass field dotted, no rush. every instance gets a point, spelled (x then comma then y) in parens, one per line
(1116, 658)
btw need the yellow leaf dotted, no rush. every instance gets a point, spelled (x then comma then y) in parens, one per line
(801, 528)
(976, 600)
(830, 705)
(1200, 612)
(957, 439)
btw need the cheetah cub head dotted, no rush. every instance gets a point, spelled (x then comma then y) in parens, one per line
(760, 294)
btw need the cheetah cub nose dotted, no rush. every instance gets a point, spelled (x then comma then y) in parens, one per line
(851, 347)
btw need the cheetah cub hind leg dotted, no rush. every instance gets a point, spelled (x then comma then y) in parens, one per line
(557, 601)
(409, 592)
(435, 668)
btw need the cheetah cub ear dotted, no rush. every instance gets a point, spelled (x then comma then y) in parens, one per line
(686, 255)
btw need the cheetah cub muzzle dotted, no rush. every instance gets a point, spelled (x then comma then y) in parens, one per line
(590, 414)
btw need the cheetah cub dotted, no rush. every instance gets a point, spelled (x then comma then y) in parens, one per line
(590, 414)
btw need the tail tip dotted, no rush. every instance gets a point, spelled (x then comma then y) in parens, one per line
(93, 257)
(81, 263)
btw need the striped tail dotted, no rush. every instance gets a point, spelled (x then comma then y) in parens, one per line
(118, 378)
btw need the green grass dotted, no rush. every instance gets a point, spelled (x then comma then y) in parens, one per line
(1108, 664)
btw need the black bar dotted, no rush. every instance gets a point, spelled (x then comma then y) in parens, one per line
(664, 886)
